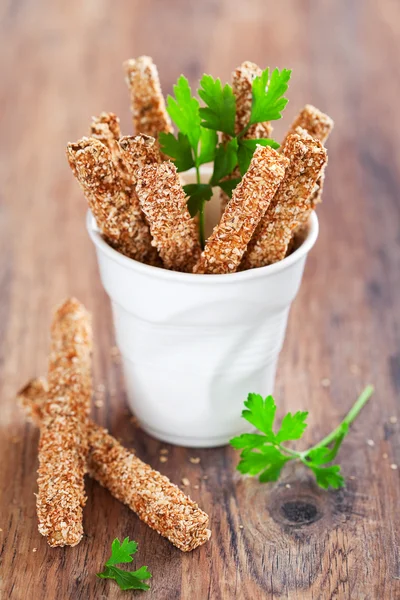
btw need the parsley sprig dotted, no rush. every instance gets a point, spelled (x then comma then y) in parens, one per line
(265, 454)
(196, 142)
(127, 580)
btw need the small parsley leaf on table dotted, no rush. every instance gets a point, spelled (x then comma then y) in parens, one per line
(122, 553)
(265, 455)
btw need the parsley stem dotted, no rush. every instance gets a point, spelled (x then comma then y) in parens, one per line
(243, 132)
(290, 452)
(349, 418)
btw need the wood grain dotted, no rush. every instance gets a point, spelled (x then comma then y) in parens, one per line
(61, 63)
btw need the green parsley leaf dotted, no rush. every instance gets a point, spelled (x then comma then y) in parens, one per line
(184, 111)
(198, 193)
(263, 460)
(122, 554)
(247, 148)
(178, 149)
(265, 454)
(273, 470)
(219, 113)
(261, 414)
(228, 185)
(225, 161)
(248, 440)
(327, 476)
(268, 95)
(292, 427)
(324, 454)
(208, 145)
(127, 580)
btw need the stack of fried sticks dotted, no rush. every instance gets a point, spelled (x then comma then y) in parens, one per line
(71, 445)
(140, 207)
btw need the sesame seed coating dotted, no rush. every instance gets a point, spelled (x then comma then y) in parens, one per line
(242, 81)
(226, 245)
(315, 123)
(63, 444)
(112, 201)
(164, 203)
(152, 496)
(138, 151)
(269, 244)
(147, 102)
(106, 129)
(319, 126)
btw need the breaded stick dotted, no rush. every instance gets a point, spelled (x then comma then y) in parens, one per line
(147, 102)
(315, 122)
(113, 203)
(163, 201)
(106, 129)
(307, 158)
(156, 501)
(318, 125)
(226, 245)
(242, 81)
(138, 151)
(63, 445)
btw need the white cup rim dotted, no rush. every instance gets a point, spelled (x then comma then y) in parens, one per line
(158, 273)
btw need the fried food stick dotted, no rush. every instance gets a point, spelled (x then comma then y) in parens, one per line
(226, 245)
(106, 129)
(318, 125)
(315, 122)
(163, 201)
(307, 158)
(242, 81)
(147, 102)
(138, 151)
(156, 501)
(63, 445)
(112, 201)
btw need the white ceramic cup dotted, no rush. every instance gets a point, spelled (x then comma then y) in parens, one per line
(194, 346)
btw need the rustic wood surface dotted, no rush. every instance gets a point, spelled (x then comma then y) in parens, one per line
(61, 63)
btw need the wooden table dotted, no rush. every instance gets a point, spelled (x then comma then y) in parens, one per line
(61, 63)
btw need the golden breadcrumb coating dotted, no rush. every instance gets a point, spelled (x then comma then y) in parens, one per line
(242, 81)
(315, 122)
(152, 496)
(138, 151)
(63, 445)
(164, 203)
(106, 129)
(319, 126)
(113, 202)
(147, 102)
(226, 245)
(307, 158)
